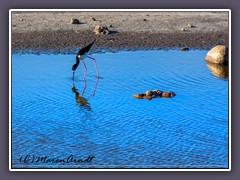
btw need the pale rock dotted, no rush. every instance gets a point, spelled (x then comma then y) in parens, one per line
(218, 55)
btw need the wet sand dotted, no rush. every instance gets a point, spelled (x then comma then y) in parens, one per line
(53, 32)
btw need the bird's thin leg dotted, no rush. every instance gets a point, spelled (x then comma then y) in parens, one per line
(95, 88)
(95, 65)
(85, 86)
(85, 71)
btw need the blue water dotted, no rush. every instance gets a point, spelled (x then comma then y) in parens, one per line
(101, 118)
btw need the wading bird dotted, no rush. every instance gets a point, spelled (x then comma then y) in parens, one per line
(81, 55)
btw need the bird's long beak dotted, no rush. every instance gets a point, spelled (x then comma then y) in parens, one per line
(73, 74)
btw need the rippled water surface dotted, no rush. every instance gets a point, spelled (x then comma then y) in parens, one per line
(53, 117)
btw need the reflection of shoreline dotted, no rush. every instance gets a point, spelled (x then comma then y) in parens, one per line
(218, 70)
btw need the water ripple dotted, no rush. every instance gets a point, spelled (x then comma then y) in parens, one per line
(52, 117)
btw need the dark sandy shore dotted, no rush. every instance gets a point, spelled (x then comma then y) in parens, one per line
(68, 41)
(52, 32)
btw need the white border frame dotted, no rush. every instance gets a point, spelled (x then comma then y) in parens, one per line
(115, 10)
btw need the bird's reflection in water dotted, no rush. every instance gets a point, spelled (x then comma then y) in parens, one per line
(83, 102)
(80, 99)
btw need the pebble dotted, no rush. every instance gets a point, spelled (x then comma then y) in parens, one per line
(184, 48)
(75, 21)
(101, 30)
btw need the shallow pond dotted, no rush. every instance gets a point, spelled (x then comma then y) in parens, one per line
(100, 118)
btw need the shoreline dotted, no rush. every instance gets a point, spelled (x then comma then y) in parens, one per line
(67, 42)
(52, 32)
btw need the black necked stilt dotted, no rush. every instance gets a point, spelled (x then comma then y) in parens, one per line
(81, 55)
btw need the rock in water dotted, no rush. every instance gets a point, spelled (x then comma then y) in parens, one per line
(218, 55)
(184, 48)
(139, 96)
(168, 94)
(154, 94)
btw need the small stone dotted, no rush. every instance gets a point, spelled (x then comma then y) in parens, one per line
(149, 93)
(183, 29)
(93, 19)
(154, 96)
(110, 25)
(144, 20)
(139, 96)
(149, 97)
(157, 93)
(189, 25)
(218, 55)
(184, 48)
(156, 90)
(168, 94)
(74, 21)
(101, 30)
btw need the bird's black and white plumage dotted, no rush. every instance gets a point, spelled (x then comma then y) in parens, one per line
(81, 55)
